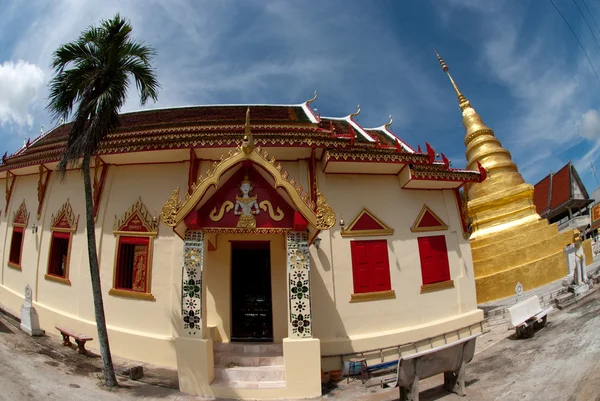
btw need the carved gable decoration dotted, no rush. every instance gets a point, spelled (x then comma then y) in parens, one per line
(65, 219)
(21, 215)
(367, 224)
(137, 219)
(245, 202)
(428, 221)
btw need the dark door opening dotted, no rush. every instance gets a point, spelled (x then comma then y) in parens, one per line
(251, 309)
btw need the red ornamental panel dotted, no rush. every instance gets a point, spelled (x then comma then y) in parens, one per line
(63, 222)
(134, 224)
(434, 259)
(246, 200)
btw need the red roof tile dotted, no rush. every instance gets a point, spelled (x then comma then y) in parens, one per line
(561, 186)
(541, 193)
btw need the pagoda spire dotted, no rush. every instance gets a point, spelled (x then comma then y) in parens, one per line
(463, 102)
(492, 196)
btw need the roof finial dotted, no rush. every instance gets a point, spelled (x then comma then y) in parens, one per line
(357, 112)
(462, 101)
(390, 123)
(313, 99)
(248, 141)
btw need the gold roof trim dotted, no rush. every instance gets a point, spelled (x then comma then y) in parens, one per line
(67, 211)
(148, 221)
(320, 216)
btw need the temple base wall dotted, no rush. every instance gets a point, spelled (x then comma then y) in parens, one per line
(129, 344)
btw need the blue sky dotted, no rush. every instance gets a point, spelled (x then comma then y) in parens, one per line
(516, 61)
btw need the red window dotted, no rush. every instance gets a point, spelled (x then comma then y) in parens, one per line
(370, 266)
(59, 253)
(16, 245)
(434, 259)
(132, 264)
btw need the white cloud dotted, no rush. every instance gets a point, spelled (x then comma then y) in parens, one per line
(590, 124)
(550, 90)
(20, 86)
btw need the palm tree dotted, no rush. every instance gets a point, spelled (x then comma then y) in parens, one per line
(91, 80)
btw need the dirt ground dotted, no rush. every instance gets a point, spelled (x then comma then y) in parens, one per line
(562, 362)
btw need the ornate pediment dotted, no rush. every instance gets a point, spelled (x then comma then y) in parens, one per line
(367, 224)
(21, 215)
(137, 219)
(319, 215)
(428, 221)
(65, 219)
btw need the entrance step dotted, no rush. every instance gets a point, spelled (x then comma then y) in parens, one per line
(251, 374)
(254, 348)
(249, 365)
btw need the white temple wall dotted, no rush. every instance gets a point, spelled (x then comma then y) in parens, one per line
(343, 326)
(25, 188)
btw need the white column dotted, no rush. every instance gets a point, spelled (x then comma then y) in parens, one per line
(298, 258)
(192, 294)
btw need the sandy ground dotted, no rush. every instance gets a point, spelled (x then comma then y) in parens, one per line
(562, 362)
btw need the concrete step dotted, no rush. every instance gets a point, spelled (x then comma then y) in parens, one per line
(253, 348)
(244, 384)
(224, 359)
(251, 374)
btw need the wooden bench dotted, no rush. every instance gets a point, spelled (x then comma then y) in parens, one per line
(528, 315)
(449, 359)
(80, 339)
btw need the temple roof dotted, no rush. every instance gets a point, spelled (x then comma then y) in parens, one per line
(558, 191)
(222, 126)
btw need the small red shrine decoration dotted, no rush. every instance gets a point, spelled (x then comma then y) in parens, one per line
(367, 224)
(428, 221)
(135, 232)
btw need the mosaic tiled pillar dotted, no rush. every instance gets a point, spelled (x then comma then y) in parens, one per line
(191, 284)
(298, 258)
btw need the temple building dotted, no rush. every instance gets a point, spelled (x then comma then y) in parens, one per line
(248, 247)
(510, 242)
(562, 198)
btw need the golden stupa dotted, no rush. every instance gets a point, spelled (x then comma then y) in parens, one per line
(510, 242)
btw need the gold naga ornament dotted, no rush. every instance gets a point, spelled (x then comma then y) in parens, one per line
(246, 206)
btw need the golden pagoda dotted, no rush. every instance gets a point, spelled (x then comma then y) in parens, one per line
(510, 242)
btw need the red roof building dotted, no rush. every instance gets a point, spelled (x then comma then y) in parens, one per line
(562, 197)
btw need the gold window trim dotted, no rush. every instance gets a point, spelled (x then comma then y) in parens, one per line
(372, 296)
(120, 292)
(415, 227)
(385, 230)
(442, 285)
(12, 264)
(73, 221)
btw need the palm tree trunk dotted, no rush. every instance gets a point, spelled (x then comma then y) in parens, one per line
(109, 371)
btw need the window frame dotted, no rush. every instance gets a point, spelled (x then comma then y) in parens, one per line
(136, 224)
(60, 233)
(20, 228)
(435, 285)
(388, 292)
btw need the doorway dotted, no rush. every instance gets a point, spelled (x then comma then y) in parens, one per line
(251, 305)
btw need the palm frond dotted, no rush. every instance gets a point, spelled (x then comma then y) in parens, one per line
(91, 82)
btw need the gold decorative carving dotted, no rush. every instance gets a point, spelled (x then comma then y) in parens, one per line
(171, 207)
(67, 212)
(325, 214)
(21, 216)
(246, 230)
(442, 285)
(147, 223)
(425, 209)
(174, 210)
(248, 142)
(313, 98)
(372, 296)
(266, 205)
(225, 208)
(350, 232)
(356, 113)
